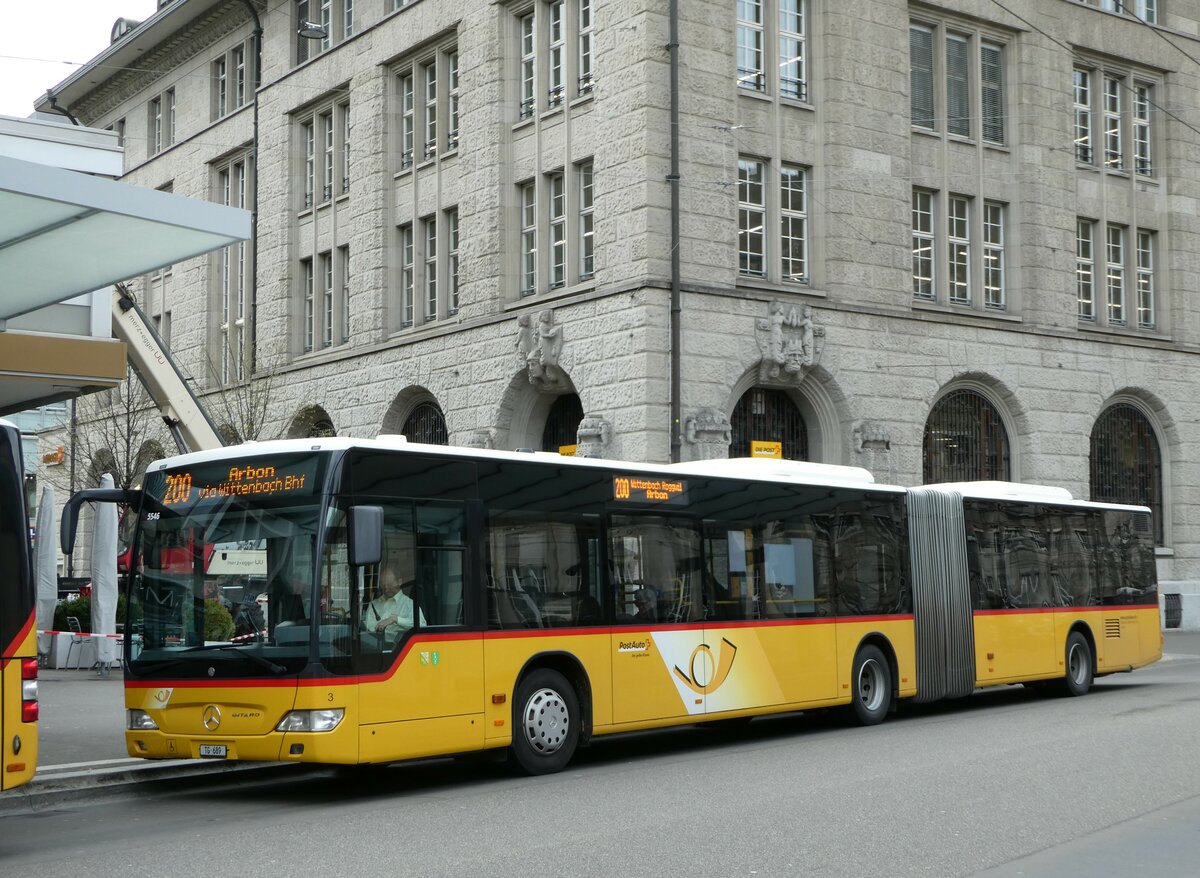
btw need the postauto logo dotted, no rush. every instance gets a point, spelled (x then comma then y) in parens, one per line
(700, 676)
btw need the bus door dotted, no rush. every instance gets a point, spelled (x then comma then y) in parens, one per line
(661, 662)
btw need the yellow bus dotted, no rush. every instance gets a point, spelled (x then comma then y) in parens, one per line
(18, 633)
(423, 600)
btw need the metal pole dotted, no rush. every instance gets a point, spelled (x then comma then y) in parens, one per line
(676, 296)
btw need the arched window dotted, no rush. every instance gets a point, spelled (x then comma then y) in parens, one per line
(562, 423)
(964, 441)
(1125, 462)
(425, 423)
(768, 416)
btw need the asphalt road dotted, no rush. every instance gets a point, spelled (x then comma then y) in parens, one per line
(1004, 783)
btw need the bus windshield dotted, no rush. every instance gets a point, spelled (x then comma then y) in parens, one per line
(223, 571)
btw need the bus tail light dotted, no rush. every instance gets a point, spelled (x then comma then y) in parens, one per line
(311, 720)
(29, 690)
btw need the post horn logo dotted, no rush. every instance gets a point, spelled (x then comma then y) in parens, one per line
(722, 668)
(211, 718)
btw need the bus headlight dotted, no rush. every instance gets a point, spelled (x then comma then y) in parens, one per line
(139, 720)
(311, 720)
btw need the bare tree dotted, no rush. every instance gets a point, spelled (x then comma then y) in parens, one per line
(118, 431)
(240, 407)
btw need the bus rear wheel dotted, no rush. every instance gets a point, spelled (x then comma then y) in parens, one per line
(871, 681)
(545, 722)
(1078, 677)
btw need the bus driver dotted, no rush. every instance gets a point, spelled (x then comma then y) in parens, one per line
(391, 614)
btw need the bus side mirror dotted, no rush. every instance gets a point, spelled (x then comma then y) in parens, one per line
(70, 516)
(364, 535)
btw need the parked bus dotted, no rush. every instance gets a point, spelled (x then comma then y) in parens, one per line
(427, 600)
(18, 631)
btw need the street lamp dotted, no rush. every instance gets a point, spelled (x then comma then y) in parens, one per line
(310, 30)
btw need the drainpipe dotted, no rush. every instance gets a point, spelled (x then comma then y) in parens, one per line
(258, 36)
(673, 179)
(50, 99)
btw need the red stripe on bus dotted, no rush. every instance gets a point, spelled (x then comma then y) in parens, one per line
(1108, 608)
(10, 649)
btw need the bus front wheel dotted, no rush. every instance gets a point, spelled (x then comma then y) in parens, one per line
(871, 681)
(1078, 677)
(545, 722)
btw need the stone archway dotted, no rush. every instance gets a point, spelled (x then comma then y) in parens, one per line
(311, 422)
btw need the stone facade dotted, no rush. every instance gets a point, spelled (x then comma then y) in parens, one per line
(883, 357)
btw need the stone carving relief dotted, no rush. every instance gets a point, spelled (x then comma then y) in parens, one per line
(873, 441)
(593, 437)
(539, 348)
(479, 439)
(709, 433)
(786, 343)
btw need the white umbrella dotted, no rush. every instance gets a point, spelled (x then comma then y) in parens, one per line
(46, 561)
(46, 567)
(104, 578)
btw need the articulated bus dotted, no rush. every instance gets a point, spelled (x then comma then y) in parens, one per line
(18, 632)
(425, 600)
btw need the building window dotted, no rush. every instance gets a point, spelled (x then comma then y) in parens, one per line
(974, 275)
(326, 316)
(528, 239)
(528, 67)
(587, 242)
(922, 244)
(431, 273)
(993, 255)
(344, 259)
(1146, 10)
(118, 127)
(452, 258)
(793, 222)
(546, 65)
(1145, 280)
(436, 80)
(162, 121)
(347, 19)
(1124, 118)
(429, 78)
(234, 189)
(1118, 266)
(972, 85)
(1083, 116)
(557, 203)
(765, 415)
(762, 27)
(426, 424)
(308, 281)
(229, 79)
(452, 120)
(958, 250)
(325, 136)
(407, 291)
(429, 267)
(1114, 275)
(1125, 462)
(407, 121)
(1085, 268)
(584, 62)
(752, 216)
(964, 440)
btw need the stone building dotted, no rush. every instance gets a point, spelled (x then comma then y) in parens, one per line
(939, 240)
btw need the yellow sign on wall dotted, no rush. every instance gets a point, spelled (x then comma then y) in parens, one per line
(766, 449)
(567, 450)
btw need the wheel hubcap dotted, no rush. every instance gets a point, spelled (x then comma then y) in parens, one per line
(1075, 664)
(546, 721)
(870, 685)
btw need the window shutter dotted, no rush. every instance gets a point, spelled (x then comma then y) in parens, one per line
(991, 75)
(920, 44)
(958, 100)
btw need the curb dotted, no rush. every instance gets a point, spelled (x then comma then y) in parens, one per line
(55, 786)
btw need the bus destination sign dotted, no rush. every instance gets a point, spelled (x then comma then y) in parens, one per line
(645, 489)
(208, 483)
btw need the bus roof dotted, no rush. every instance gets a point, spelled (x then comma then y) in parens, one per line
(1020, 492)
(748, 469)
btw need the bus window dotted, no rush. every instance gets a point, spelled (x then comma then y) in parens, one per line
(731, 571)
(796, 568)
(543, 572)
(657, 559)
(869, 557)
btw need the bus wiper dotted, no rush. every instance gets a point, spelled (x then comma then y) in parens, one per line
(257, 659)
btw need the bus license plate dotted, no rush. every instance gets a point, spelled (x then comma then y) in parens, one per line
(213, 751)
